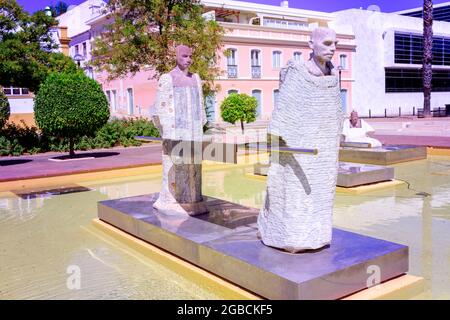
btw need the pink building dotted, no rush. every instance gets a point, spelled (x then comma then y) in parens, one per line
(261, 38)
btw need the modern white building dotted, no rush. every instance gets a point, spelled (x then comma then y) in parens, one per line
(388, 60)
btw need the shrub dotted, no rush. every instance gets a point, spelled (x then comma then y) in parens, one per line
(70, 105)
(4, 109)
(17, 139)
(239, 107)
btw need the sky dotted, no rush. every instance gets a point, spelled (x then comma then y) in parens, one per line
(318, 5)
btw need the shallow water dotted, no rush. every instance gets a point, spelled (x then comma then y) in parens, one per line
(45, 235)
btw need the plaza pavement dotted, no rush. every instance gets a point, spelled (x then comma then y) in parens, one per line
(39, 166)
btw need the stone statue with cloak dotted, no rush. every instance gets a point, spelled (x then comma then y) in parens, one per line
(297, 213)
(180, 117)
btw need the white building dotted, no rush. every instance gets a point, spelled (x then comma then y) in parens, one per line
(388, 60)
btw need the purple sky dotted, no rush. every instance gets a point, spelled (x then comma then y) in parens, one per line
(319, 5)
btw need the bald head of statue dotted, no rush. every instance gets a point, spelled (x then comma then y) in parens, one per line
(184, 57)
(323, 43)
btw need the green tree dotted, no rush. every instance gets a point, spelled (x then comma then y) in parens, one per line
(427, 55)
(4, 108)
(145, 32)
(26, 45)
(239, 107)
(70, 106)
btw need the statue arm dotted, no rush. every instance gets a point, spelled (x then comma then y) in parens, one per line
(164, 114)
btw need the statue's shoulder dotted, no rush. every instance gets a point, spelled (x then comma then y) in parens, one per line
(165, 80)
(290, 66)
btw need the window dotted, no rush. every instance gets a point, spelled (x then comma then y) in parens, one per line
(84, 49)
(276, 59)
(108, 96)
(257, 94)
(276, 97)
(210, 103)
(10, 91)
(130, 101)
(278, 23)
(114, 100)
(76, 50)
(256, 63)
(256, 57)
(410, 80)
(231, 59)
(343, 61)
(232, 63)
(439, 13)
(344, 100)
(409, 49)
(297, 56)
(232, 91)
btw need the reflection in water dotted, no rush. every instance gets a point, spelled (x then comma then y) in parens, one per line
(41, 237)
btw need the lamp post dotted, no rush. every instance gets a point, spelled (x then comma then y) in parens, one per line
(48, 11)
(78, 58)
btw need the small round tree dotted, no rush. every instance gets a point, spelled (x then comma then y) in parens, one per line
(239, 107)
(70, 105)
(4, 108)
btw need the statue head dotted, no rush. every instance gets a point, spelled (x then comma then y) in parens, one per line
(184, 57)
(323, 44)
(354, 117)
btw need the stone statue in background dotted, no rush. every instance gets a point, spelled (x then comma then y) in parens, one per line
(297, 213)
(357, 130)
(180, 117)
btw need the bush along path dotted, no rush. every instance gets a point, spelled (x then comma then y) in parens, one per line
(16, 140)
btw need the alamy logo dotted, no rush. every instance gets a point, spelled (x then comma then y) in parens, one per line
(74, 280)
(375, 276)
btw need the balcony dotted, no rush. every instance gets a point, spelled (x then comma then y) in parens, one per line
(232, 71)
(256, 72)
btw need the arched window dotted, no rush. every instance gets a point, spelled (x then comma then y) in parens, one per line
(232, 63)
(297, 56)
(232, 91)
(210, 103)
(276, 59)
(258, 95)
(343, 61)
(231, 59)
(255, 57)
(276, 96)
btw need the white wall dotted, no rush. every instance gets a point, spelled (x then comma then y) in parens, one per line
(374, 33)
(75, 18)
(21, 105)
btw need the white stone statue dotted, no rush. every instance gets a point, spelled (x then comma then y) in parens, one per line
(357, 130)
(180, 117)
(297, 213)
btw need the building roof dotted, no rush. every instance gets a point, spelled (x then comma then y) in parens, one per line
(441, 12)
(267, 9)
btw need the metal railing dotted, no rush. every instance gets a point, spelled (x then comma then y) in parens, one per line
(232, 71)
(407, 112)
(256, 72)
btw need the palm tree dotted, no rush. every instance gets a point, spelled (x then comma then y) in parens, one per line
(427, 55)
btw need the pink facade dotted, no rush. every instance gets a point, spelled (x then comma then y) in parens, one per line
(259, 53)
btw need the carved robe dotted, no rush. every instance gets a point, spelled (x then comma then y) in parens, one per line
(297, 214)
(182, 116)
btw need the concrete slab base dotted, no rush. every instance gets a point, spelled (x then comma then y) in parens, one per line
(383, 156)
(403, 287)
(224, 242)
(349, 174)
